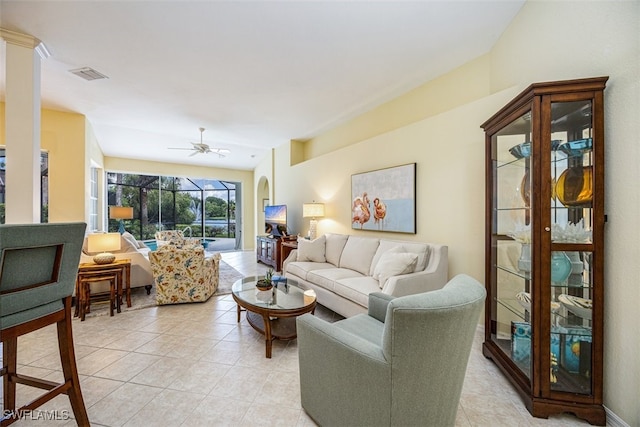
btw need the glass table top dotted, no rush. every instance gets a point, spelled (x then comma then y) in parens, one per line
(285, 295)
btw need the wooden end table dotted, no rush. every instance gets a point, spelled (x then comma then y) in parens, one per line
(286, 246)
(91, 270)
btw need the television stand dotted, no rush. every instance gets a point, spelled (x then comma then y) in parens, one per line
(268, 251)
(271, 250)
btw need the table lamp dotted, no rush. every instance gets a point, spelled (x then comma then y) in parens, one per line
(312, 210)
(120, 213)
(103, 243)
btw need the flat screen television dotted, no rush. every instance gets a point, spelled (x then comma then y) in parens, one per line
(275, 220)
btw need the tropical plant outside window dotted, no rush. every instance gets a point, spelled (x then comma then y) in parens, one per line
(44, 185)
(173, 203)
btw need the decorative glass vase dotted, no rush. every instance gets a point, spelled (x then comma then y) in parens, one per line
(524, 262)
(560, 267)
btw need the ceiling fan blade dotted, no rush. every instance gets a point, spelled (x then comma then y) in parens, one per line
(220, 151)
(202, 148)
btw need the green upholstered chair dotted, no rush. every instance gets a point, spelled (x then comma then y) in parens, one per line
(38, 267)
(402, 364)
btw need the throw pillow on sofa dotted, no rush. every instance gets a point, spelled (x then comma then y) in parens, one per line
(311, 250)
(129, 238)
(394, 263)
(334, 246)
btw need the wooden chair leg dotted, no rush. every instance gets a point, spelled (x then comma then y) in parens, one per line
(69, 367)
(83, 299)
(76, 310)
(9, 361)
(112, 296)
(119, 290)
(87, 297)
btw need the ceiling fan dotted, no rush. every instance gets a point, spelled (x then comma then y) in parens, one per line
(202, 148)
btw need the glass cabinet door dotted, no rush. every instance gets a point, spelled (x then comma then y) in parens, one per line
(571, 246)
(545, 224)
(511, 240)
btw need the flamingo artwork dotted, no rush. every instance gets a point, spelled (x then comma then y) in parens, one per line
(379, 211)
(360, 212)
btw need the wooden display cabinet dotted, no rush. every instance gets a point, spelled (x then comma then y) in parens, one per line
(268, 251)
(545, 246)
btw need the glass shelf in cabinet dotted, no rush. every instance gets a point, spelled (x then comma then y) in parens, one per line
(514, 208)
(585, 286)
(513, 306)
(519, 163)
(519, 274)
(564, 320)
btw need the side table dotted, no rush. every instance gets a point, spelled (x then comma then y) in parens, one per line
(286, 246)
(87, 271)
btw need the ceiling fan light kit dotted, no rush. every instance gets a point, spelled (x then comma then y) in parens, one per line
(202, 148)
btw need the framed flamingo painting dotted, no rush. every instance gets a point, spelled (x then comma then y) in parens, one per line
(384, 199)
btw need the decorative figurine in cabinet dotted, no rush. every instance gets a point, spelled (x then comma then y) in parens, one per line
(545, 246)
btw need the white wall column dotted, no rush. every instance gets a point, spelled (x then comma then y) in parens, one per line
(22, 126)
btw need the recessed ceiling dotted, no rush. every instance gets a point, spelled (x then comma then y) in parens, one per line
(255, 74)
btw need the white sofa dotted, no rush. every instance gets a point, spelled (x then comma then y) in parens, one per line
(343, 269)
(134, 250)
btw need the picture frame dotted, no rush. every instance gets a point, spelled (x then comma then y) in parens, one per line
(385, 200)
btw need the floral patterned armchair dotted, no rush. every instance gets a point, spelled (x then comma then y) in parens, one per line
(175, 237)
(182, 274)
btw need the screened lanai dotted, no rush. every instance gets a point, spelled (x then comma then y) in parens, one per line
(203, 208)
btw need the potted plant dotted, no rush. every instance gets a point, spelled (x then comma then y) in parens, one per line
(266, 283)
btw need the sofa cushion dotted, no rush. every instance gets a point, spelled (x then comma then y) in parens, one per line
(326, 278)
(301, 269)
(393, 263)
(356, 289)
(358, 254)
(334, 246)
(129, 238)
(423, 251)
(311, 250)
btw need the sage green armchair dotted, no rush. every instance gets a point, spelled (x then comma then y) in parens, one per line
(402, 364)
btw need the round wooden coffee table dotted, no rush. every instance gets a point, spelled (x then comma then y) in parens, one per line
(273, 313)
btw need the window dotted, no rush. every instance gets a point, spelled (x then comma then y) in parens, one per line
(205, 207)
(93, 208)
(44, 185)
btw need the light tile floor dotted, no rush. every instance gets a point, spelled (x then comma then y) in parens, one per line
(194, 365)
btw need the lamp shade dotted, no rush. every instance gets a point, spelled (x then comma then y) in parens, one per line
(312, 210)
(120, 212)
(103, 243)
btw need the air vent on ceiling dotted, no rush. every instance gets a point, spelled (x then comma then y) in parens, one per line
(88, 73)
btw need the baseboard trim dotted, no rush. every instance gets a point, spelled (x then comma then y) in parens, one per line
(613, 420)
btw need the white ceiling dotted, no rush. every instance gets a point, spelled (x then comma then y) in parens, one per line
(254, 74)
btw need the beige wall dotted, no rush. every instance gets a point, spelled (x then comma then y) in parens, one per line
(546, 41)
(63, 136)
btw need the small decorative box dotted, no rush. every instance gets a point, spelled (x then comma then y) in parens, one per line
(521, 342)
(576, 355)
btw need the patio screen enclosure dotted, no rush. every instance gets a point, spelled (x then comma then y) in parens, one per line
(200, 207)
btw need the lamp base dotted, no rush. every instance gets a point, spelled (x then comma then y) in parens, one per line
(104, 258)
(121, 227)
(313, 225)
